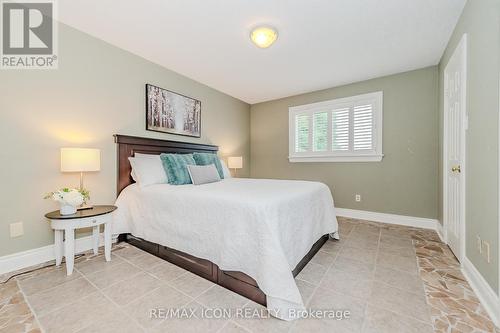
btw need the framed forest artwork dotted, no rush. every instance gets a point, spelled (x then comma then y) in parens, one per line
(169, 112)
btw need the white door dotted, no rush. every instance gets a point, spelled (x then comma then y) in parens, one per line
(455, 123)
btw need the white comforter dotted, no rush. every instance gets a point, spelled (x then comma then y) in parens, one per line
(260, 227)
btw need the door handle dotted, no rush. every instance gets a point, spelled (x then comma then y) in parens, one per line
(456, 169)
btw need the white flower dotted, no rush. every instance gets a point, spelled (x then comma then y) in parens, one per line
(66, 196)
(56, 196)
(73, 198)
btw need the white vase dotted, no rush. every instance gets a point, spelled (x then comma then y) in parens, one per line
(67, 209)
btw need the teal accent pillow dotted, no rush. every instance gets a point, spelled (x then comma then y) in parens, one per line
(175, 166)
(207, 159)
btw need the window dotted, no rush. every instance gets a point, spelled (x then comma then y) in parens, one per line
(341, 130)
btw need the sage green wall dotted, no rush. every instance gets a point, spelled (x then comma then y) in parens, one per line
(404, 182)
(97, 91)
(480, 20)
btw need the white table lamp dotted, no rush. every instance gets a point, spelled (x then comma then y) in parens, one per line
(235, 162)
(80, 160)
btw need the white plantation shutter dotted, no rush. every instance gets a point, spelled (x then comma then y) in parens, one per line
(320, 131)
(340, 129)
(345, 129)
(302, 133)
(363, 127)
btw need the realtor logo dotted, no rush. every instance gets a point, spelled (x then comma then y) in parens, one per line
(29, 39)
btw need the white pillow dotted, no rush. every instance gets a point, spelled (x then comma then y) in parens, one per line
(139, 155)
(148, 171)
(203, 174)
(225, 170)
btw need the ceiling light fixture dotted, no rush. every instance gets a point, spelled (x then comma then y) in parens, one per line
(263, 37)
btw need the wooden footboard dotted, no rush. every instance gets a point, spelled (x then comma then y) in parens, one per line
(238, 282)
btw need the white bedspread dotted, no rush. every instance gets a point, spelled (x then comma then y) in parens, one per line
(260, 227)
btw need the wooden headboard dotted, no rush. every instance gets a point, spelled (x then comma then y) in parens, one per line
(129, 145)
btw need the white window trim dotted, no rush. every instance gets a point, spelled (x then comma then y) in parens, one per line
(375, 155)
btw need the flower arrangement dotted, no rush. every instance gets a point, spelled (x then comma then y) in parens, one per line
(69, 199)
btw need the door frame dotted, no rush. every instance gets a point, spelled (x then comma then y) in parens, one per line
(462, 46)
(498, 291)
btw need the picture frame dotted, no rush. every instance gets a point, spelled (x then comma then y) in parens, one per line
(172, 113)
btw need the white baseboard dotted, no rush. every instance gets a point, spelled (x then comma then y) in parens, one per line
(410, 221)
(440, 232)
(489, 299)
(20, 260)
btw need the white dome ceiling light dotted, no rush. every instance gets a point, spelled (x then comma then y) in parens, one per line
(264, 36)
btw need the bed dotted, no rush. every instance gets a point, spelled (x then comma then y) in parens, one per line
(252, 236)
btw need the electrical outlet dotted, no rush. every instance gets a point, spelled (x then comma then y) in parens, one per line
(479, 243)
(16, 229)
(487, 251)
(358, 197)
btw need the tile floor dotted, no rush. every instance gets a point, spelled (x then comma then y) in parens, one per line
(390, 278)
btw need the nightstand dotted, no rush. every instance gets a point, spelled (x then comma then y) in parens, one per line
(65, 225)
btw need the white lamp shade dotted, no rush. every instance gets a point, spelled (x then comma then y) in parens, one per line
(235, 162)
(80, 159)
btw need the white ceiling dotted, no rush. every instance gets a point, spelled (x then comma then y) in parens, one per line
(321, 43)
